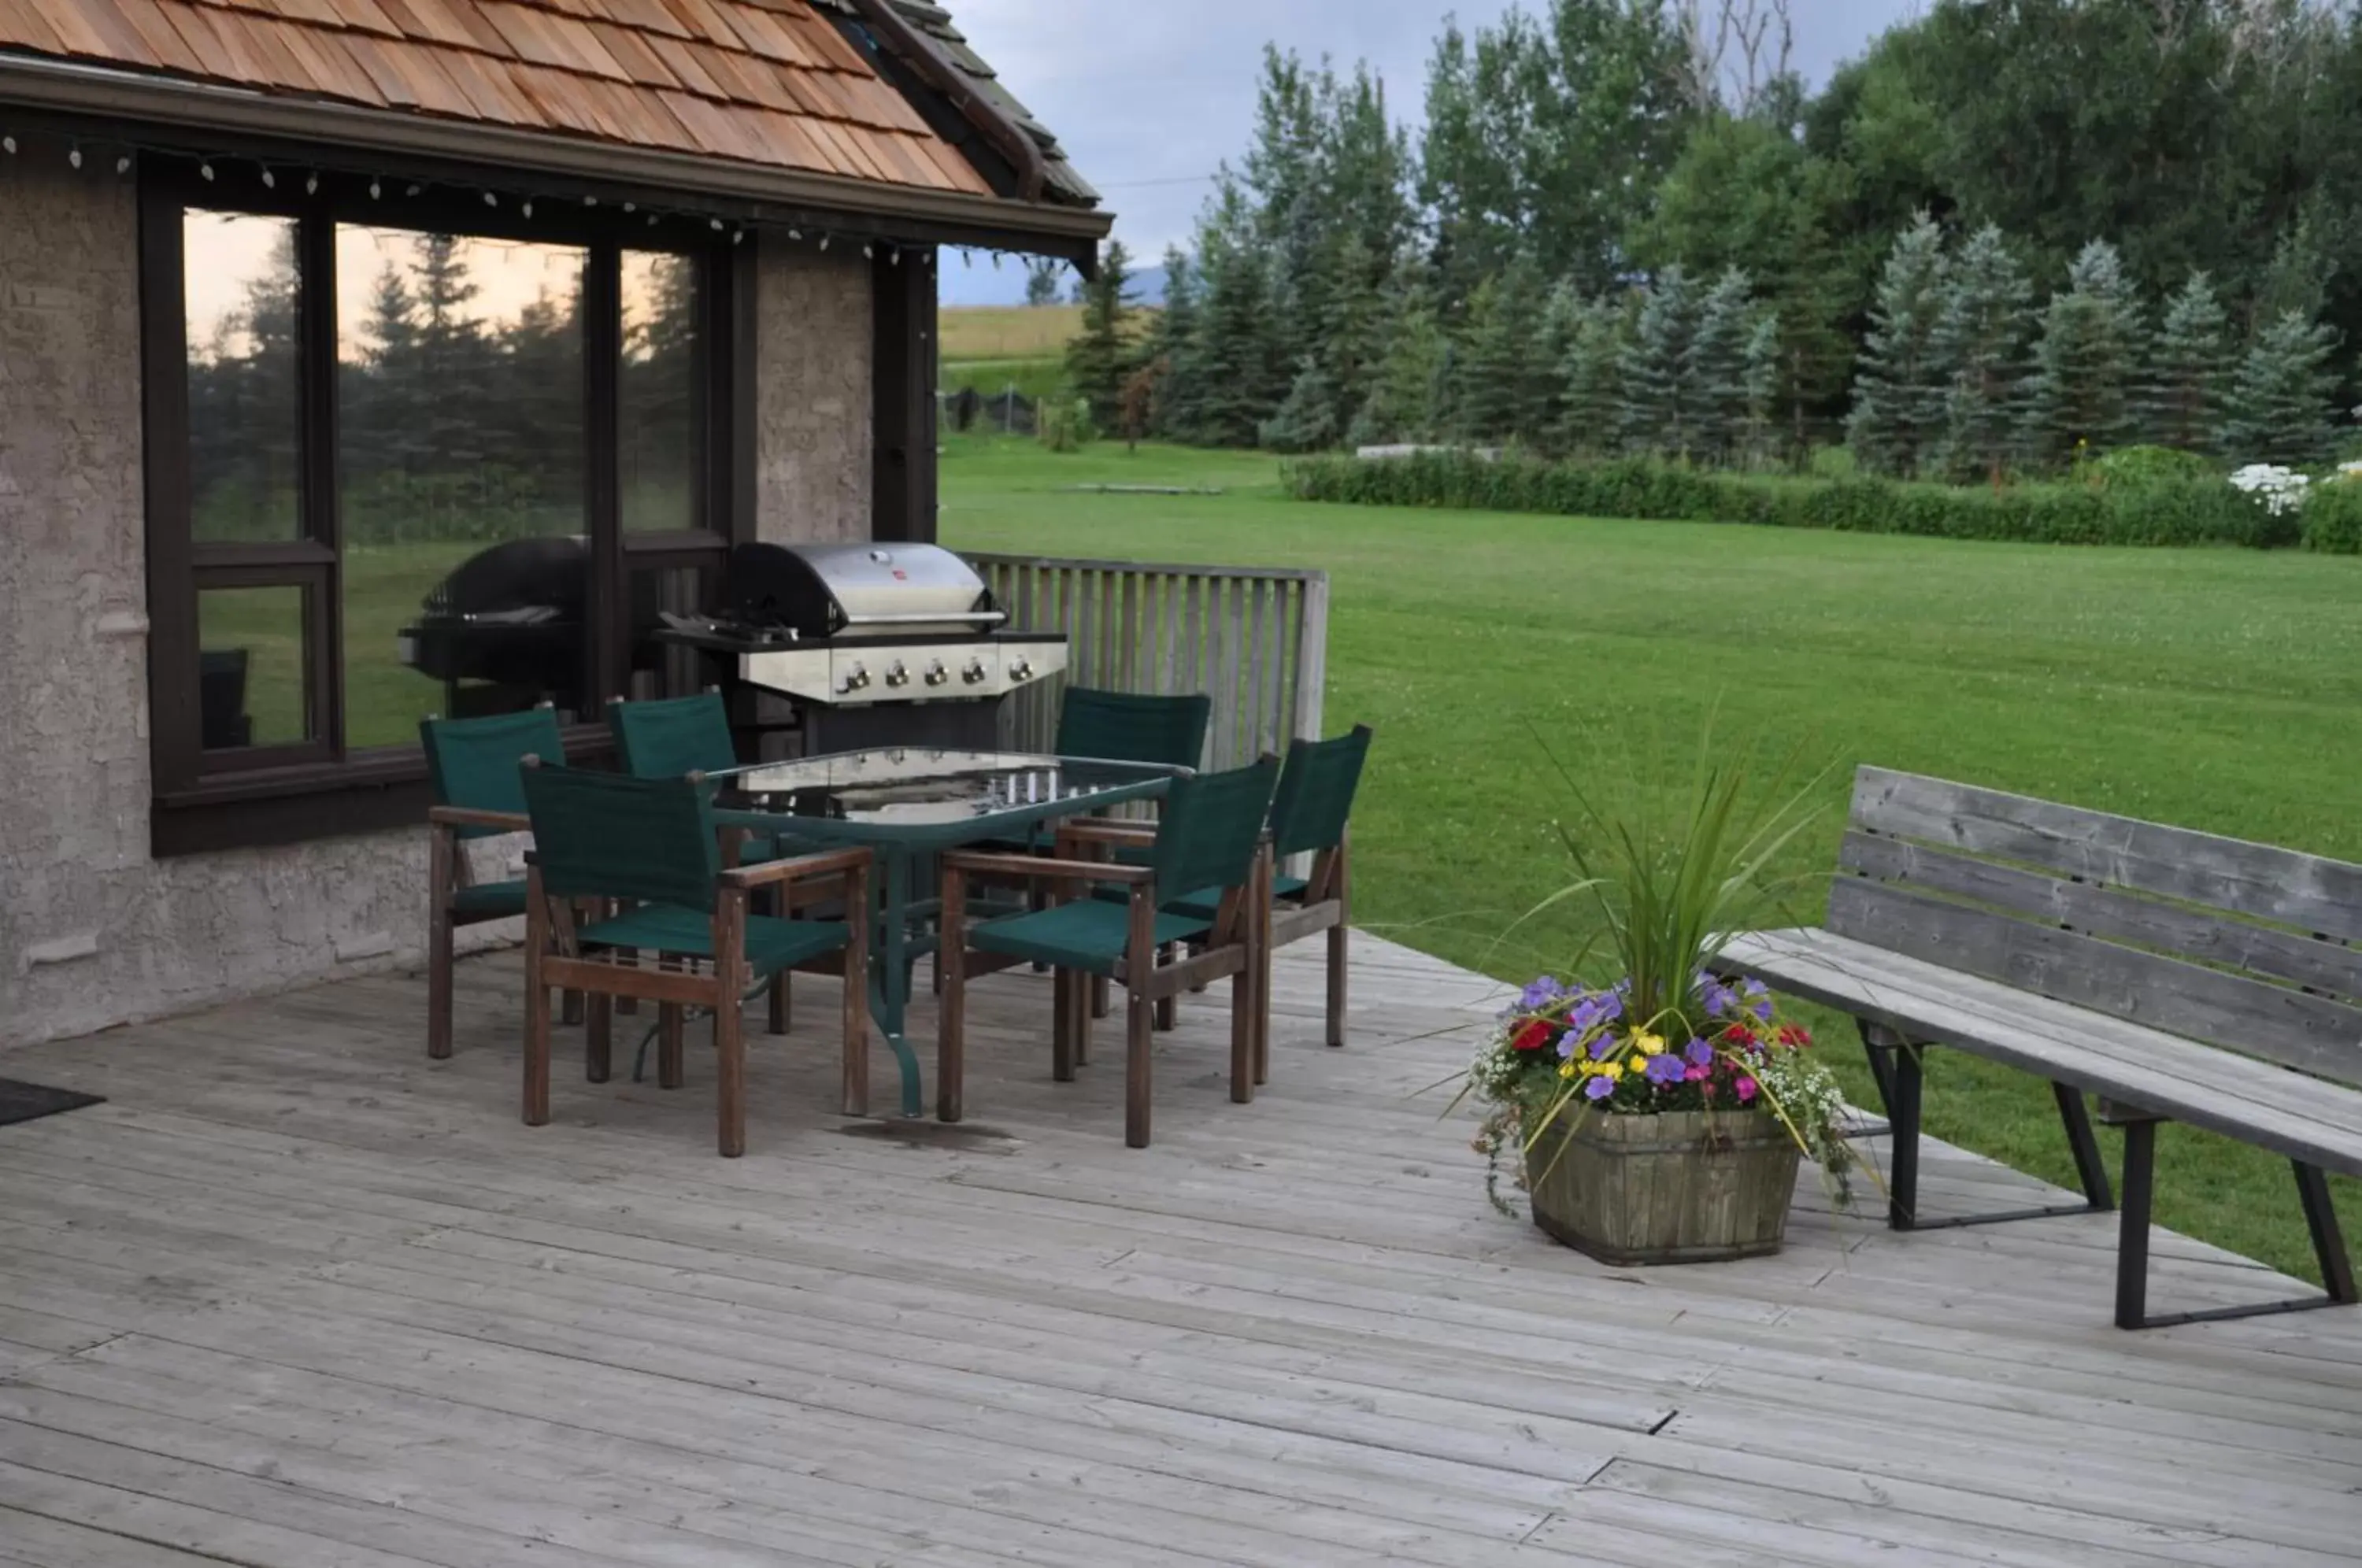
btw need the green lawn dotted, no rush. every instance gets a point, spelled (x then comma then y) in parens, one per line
(2214, 688)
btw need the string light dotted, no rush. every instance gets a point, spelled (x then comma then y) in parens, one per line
(205, 168)
(269, 181)
(527, 209)
(122, 165)
(8, 145)
(589, 201)
(312, 184)
(74, 156)
(376, 189)
(412, 190)
(491, 200)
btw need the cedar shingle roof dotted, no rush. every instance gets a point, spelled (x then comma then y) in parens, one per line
(762, 81)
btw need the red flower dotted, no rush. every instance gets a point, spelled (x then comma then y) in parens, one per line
(1740, 1034)
(1533, 1037)
(1791, 1035)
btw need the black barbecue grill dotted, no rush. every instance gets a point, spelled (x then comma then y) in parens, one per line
(505, 630)
(860, 645)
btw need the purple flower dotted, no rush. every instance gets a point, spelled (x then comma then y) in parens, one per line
(1699, 1054)
(1603, 1047)
(1754, 987)
(1567, 1042)
(1540, 994)
(1719, 998)
(1598, 1088)
(1666, 1068)
(1762, 1011)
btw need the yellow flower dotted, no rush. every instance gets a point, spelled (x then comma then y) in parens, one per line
(1640, 1065)
(1612, 1071)
(1648, 1045)
(1567, 1071)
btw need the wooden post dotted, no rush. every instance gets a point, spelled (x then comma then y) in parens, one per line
(902, 417)
(729, 1032)
(598, 1037)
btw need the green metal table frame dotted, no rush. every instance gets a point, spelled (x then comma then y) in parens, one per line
(903, 850)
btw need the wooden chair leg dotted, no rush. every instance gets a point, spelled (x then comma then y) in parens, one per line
(1062, 1025)
(599, 1037)
(1243, 1076)
(729, 1032)
(1337, 938)
(1102, 996)
(1082, 1016)
(670, 1068)
(1168, 1008)
(779, 1003)
(1139, 1021)
(536, 1008)
(570, 1003)
(950, 980)
(438, 945)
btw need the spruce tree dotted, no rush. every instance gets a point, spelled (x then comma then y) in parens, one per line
(2181, 396)
(1406, 394)
(1766, 350)
(1658, 408)
(1041, 281)
(1101, 357)
(2278, 408)
(1173, 349)
(1307, 419)
(2087, 361)
(1719, 366)
(1981, 336)
(1240, 378)
(1591, 380)
(1898, 399)
(1500, 385)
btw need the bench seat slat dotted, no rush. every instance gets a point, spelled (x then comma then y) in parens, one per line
(2288, 1026)
(2256, 1102)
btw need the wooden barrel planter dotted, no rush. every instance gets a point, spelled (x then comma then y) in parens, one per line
(1686, 1186)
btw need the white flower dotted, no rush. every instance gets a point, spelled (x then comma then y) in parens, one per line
(2279, 489)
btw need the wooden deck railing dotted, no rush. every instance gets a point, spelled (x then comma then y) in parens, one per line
(1256, 639)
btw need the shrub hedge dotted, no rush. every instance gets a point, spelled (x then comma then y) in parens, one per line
(2332, 517)
(2145, 507)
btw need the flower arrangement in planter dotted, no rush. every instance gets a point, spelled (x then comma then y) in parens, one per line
(1661, 1118)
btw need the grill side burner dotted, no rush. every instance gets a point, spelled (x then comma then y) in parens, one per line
(870, 645)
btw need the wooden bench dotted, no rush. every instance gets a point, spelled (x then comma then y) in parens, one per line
(2174, 974)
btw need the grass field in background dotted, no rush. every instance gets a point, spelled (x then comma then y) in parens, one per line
(1007, 332)
(1033, 378)
(2214, 689)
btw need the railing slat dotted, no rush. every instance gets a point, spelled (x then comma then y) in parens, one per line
(1254, 638)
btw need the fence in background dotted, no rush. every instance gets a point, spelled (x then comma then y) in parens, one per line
(1256, 640)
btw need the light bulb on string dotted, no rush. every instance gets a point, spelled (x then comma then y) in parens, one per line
(491, 200)
(205, 168)
(589, 201)
(312, 184)
(74, 155)
(631, 207)
(717, 225)
(412, 190)
(797, 235)
(739, 237)
(376, 189)
(823, 242)
(528, 206)
(8, 145)
(269, 181)
(122, 165)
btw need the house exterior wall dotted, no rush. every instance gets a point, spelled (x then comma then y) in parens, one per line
(813, 357)
(93, 931)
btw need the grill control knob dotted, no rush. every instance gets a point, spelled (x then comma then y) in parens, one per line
(1022, 670)
(937, 674)
(855, 679)
(898, 675)
(974, 673)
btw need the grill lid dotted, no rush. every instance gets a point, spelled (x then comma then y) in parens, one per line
(827, 590)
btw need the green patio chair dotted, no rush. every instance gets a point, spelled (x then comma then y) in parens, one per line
(1210, 836)
(673, 736)
(474, 792)
(1309, 816)
(649, 846)
(1133, 726)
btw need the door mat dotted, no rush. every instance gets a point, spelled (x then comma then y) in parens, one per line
(24, 1102)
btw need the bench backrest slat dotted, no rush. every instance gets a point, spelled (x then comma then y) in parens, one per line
(2224, 945)
(2306, 892)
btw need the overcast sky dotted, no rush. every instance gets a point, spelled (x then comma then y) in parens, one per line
(1150, 104)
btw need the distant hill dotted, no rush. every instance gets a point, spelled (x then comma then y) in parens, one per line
(976, 283)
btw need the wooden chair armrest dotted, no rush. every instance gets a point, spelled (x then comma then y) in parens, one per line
(829, 863)
(1037, 868)
(462, 816)
(1107, 830)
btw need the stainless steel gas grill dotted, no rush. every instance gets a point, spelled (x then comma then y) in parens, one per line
(860, 645)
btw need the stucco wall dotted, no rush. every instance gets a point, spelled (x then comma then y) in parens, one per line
(813, 415)
(93, 930)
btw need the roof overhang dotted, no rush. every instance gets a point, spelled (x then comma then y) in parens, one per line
(208, 118)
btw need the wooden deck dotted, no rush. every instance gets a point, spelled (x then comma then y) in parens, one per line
(297, 1298)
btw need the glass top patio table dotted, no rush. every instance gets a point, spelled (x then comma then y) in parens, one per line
(907, 804)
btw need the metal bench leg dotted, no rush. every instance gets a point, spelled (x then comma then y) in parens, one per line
(1898, 1067)
(2132, 1242)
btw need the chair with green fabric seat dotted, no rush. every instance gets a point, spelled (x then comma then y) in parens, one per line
(674, 736)
(651, 844)
(1309, 816)
(1134, 726)
(1210, 834)
(475, 791)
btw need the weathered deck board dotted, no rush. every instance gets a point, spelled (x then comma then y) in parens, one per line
(297, 1296)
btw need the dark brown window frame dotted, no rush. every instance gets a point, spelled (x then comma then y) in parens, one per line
(285, 794)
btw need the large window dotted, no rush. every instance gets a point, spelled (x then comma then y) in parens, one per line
(404, 462)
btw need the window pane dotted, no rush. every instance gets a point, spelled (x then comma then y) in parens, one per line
(239, 292)
(250, 669)
(461, 447)
(658, 668)
(659, 393)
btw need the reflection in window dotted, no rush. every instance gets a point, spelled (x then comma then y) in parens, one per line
(250, 669)
(659, 415)
(461, 453)
(239, 296)
(662, 669)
